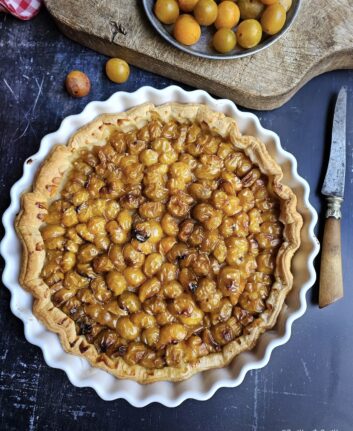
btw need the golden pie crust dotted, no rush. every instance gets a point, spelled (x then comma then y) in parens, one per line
(47, 186)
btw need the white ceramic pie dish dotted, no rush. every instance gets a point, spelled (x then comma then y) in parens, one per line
(203, 385)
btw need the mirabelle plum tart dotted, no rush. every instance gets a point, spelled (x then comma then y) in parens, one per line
(158, 242)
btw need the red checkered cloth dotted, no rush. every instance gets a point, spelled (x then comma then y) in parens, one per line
(22, 9)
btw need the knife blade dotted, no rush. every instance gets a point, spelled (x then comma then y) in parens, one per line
(336, 170)
(331, 279)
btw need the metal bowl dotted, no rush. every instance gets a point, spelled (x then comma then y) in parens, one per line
(203, 48)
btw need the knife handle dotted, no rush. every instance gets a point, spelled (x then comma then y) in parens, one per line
(331, 281)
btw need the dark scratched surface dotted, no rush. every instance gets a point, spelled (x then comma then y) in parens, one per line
(308, 384)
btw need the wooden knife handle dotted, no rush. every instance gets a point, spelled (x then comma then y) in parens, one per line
(331, 282)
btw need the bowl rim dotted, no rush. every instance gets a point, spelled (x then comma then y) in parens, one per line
(218, 56)
(78, 370)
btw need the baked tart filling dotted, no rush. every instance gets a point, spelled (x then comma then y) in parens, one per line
(163, 239)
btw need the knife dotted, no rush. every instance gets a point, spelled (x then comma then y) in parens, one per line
(331, 281)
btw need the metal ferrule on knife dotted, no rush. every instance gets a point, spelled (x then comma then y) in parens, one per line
(334, 204)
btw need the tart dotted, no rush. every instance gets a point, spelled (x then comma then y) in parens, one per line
(158, 242)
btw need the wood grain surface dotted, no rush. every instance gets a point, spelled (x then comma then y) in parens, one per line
(331, 279)
(320, 40)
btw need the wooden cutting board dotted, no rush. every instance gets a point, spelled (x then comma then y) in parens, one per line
(320, 40)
